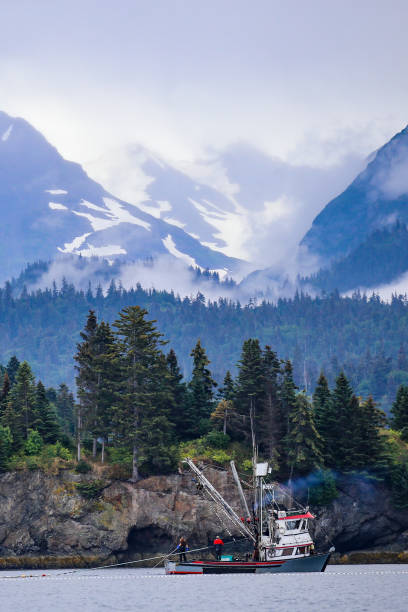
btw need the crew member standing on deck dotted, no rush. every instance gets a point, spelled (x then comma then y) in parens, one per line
(218, 543)
(182, 547)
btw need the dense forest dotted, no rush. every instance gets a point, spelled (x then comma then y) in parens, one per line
(363, 336)
(136, 412)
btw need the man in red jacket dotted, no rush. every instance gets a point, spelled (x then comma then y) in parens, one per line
(218, 543)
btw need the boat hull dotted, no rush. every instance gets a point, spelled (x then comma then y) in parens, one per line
(313, 563)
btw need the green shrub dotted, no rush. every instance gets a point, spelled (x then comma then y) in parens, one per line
(217, 439)
(92, 489)
(247, 465)
(220, 457)
(82, 467)
(61, 452)
(34, 443)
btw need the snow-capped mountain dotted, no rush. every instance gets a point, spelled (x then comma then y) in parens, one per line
(240, 200)
(50, 206)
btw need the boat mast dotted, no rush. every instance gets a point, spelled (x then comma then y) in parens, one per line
(218, 498)
(239, 487)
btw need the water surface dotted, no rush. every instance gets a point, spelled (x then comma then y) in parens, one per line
(347, 588)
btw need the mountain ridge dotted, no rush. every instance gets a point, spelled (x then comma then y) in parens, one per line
(52, 206)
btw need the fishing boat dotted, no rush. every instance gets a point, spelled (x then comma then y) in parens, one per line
(277, 529)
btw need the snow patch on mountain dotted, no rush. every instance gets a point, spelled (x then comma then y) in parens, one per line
(94, 207)
(71, 247)
(124, 216)
(172, 249)
(156, 208)
(175, 222)
(103, 251)
(6, 134)
(57, 206)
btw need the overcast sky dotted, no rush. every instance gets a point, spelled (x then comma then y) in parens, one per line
(305, 80)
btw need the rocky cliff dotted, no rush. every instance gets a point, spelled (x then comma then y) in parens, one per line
(45, 520)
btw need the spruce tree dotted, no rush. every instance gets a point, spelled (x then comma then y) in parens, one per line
(66, 409)
(22, 402)
(201, 394)
(45, 420)
(400, 412)
(86, 379)
(287, 396)
(322, 406)
(177, 397)
(336, 424)
(371, 442)
(227, 391)
(139, 344)
(106, 368)
(302, 439)
(250, 391)
(156, 433)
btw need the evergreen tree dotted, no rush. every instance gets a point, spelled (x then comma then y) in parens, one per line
(370, 442)
(201, 392)
(139, 345)
(106, 367)
(157, 436)
(45, 420)
(400, 412)
(12, 369)
(227, 391)
(65, 404)
(322, 406)
(337, 423)
(86, 379)
(178, 414)
(287, 395)
(21, 407)
(302, 439)
(250, 389)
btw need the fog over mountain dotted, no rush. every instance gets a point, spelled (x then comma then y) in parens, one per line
(238, 200)
(238, 212)
(51, 207)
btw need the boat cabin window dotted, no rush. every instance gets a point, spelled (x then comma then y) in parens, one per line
(293, 524)
(287, 551)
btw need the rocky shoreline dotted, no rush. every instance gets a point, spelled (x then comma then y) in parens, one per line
(46, 522)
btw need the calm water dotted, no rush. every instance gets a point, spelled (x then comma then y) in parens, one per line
(345, 588)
